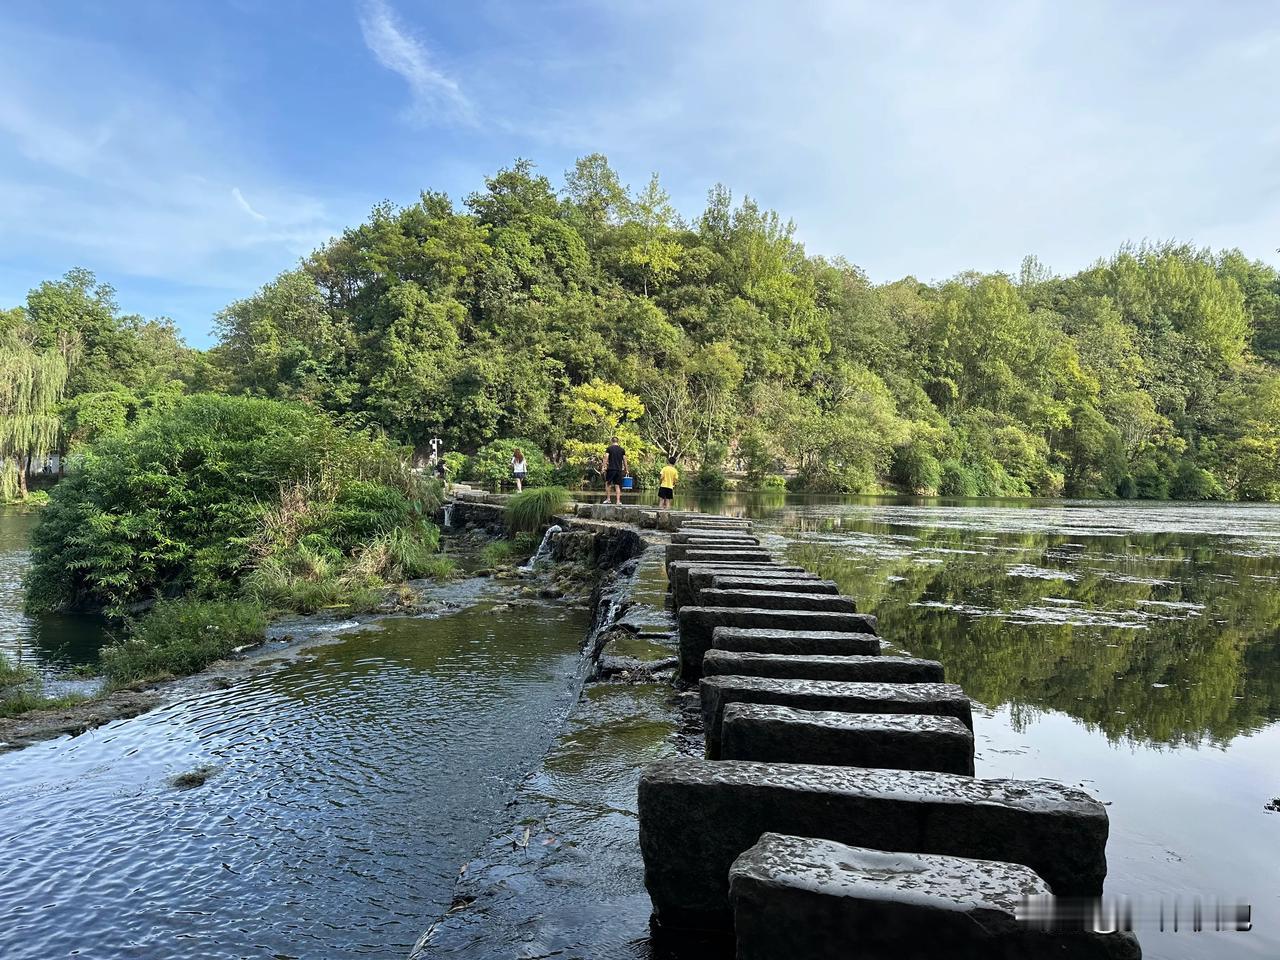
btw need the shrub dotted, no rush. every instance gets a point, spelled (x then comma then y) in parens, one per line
(457, 466)
(532, 510)
(773, 481)
(1194, 483)
(190, 498)
(181, 637)
(305, 580)
(957, 480)
(491, 465)
(916, 469)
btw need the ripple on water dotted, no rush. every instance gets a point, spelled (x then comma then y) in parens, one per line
(347, 791)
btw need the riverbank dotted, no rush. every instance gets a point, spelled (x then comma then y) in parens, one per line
(292, 636)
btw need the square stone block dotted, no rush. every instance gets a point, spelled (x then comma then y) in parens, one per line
(851, 669)
(697, 624)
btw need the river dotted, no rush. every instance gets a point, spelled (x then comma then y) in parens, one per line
(1132, 649)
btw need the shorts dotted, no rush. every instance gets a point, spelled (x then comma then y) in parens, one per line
(666, 493)
(613, 478)
(517, 476)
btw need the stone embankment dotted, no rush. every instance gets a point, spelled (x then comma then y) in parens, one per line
(835, 811)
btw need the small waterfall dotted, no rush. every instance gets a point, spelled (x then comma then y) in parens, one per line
(448, 515)
(544, 548)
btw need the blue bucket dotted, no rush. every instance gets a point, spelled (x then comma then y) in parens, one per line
(627, 483)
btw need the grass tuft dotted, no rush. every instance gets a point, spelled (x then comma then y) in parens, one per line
(530, 511)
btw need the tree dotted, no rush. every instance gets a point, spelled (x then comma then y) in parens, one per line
(32, 383)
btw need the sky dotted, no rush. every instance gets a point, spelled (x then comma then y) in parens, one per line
(189, 152)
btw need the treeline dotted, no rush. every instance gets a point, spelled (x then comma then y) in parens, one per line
(553, 317)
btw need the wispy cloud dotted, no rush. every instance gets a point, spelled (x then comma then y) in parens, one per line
(244, 205)
(107, 168)
(435, 95)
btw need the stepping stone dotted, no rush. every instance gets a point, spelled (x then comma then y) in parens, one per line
(820, 900)
(698, 816)
(777, 600)
(696, 551)
(684, 576)
(851, 669)
(689, 526)
(937, 699)
(714, 536)
(742, 581)
(698, 622)
(795, 642)
(898, 741)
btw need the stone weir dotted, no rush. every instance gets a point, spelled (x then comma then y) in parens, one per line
(751, 770)
(835, 812)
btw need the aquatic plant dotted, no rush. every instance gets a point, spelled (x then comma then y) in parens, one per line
(530, 511)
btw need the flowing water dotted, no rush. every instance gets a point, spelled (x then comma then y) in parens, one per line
(1131, 649)
(346, 791)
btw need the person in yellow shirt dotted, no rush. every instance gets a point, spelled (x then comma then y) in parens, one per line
(667, 484)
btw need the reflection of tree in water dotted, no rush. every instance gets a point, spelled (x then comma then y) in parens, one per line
(1123, 654)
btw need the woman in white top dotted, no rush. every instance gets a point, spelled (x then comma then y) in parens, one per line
(519, 467)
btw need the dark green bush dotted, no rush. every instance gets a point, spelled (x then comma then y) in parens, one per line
(957, 480)
(189, 499)
(491, 464)
(181, 637)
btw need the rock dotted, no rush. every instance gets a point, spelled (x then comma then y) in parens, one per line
(899, 741)
(697, 624)
(852, 669)
(697, 816)
(745, 581)
(682, 575)
(937, 699)
(713, 536)
(767, 640)
(697, 551)
(812, 898)
(776, 600)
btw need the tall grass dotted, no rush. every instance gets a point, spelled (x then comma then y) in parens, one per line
(530, 511)
(181, 637)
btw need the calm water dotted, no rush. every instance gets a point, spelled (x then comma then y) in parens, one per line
(349, 789)
(1131, 649)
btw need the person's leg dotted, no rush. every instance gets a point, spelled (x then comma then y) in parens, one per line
(519, 484)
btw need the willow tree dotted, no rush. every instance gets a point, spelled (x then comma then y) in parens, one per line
(32, 383)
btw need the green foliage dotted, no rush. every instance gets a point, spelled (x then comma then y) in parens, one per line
(773, 481)
(21, 691)
(562, 318)
(957, 480)
(191, 498)
(530, 511)
(491, 465)
(181, 637)
(498, 552)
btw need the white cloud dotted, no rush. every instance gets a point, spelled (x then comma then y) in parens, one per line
(435, 94)
(244, 205)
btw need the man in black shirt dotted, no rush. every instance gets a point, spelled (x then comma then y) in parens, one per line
(614, 464)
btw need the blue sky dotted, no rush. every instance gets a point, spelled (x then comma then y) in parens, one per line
(187, 152)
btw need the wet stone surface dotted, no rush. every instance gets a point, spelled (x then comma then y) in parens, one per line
(854, 669)
(777, 600)
(687, 576)
(796, 642)
(693, 551)
(938, 699)
(698, 623)
(795, 896)
(697, 817)
(775, 734)
(565, 878)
